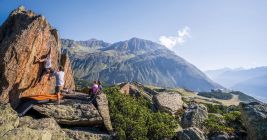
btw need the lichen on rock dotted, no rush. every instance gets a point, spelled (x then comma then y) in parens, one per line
(71, 112)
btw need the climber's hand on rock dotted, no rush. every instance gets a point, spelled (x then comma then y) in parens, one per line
(36, 59)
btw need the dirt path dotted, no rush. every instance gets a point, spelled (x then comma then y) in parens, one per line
(234, 101)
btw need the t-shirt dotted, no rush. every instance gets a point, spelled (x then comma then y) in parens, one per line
(48, 63)
(59, 78)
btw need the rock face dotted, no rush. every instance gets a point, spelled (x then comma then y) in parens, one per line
(169, 102)
(46, 129)
(194, 115)
(71, 112)
(191, 133)
(23, 36)
(69, 79)
(12, 127)
(102, 105)
(254, 118)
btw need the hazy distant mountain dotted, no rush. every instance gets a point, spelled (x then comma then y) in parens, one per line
(134, 60)
(251, 81)
(256, 86)
(213, 74)
(230, 77)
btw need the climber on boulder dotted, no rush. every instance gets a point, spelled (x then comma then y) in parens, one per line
(47, 66)
(59, 81)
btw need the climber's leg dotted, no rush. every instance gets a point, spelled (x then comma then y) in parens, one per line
(40, 77)
(50, 72)
(58, 91)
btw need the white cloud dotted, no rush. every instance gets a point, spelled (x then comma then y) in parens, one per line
(173, 41)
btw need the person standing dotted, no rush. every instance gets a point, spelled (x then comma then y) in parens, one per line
(59, 75)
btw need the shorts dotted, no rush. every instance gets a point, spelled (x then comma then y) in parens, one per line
(48, 70)
(58, 89)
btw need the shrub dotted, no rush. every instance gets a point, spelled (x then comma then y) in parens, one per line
(233, 119)
(220, 109)
(216, 124)
(132, 118)
(223, 119)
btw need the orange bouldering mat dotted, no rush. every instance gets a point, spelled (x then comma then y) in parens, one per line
(29, 101)
(44, 97)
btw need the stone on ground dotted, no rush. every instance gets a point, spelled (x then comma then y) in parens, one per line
(171, 103)
(194, 115)
(191, 133)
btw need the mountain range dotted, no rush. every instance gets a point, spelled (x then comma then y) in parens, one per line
(251, 81)
(135, 59)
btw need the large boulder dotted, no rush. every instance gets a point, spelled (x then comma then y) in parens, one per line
(171, 103)
(23, 36)
(191, 133)
(254, 118)
(29, 128)
(69, 79)
(194, 115)
(102, 105)
(71, 112)
(8, 118)
(14, 128)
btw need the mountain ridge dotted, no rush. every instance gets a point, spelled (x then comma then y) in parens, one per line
(137, 60)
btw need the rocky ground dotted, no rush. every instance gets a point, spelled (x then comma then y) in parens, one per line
(73, 119)
(194, 118)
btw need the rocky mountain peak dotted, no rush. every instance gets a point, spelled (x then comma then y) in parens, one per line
(93, 43)
(20, 9)
(135, 46)
(142, 44)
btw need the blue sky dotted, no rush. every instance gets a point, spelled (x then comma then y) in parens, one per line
(213, 34)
